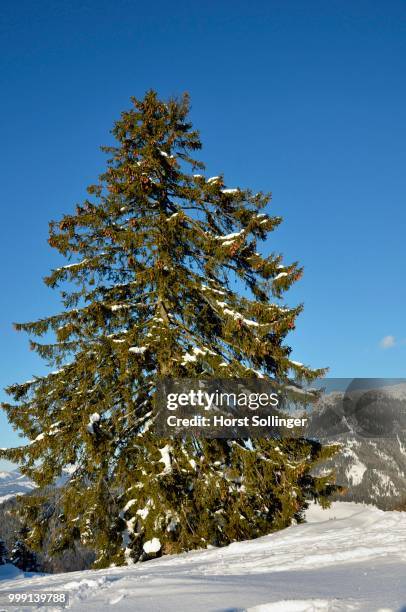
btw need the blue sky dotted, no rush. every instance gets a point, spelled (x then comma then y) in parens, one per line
(305, 99)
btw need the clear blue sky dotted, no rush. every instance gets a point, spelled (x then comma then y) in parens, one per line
(306, 99)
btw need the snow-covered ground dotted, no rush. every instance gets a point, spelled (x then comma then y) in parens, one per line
(348, 558)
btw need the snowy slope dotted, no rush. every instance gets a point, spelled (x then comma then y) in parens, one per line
(351, 557)
(12, 484)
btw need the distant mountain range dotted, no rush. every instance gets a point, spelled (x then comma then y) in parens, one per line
(12, 484)
(370, 426)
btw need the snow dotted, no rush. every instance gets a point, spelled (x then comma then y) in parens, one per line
(355, 472)
(124, 331)
(40, 437)
(56, 372)
(385, 483)
(280, 275)
(206, 288)
(302, 605)
(401, 447)
(94, 418)
(295, 389)
(257, 372)
(202, 351)
(349, 557)
(251, 323)
(230, 237)
(152, 546)
(214, 179)
(192, 357)
(236, 315)
(356, 469)
(12, 484)
(9, 572)
(166, 458)
(143, 512)
(128, 505)
(73, 265)
(187, 357)
(291, 605)
(138, 350)
(229, 191)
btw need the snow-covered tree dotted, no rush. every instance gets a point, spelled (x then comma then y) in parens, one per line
(156, 252)
(21, 556)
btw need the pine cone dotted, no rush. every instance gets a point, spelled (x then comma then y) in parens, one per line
(145, 183)
(234, 248)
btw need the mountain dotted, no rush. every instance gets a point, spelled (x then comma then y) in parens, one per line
(12, 484)
(370, 426)
(349, 557)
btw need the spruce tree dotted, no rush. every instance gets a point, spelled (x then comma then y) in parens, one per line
(150, 292)
(3, 553)
(21, 556)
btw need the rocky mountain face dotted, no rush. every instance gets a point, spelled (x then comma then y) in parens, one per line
(12, 484)
(76, 558)
(370, 426)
